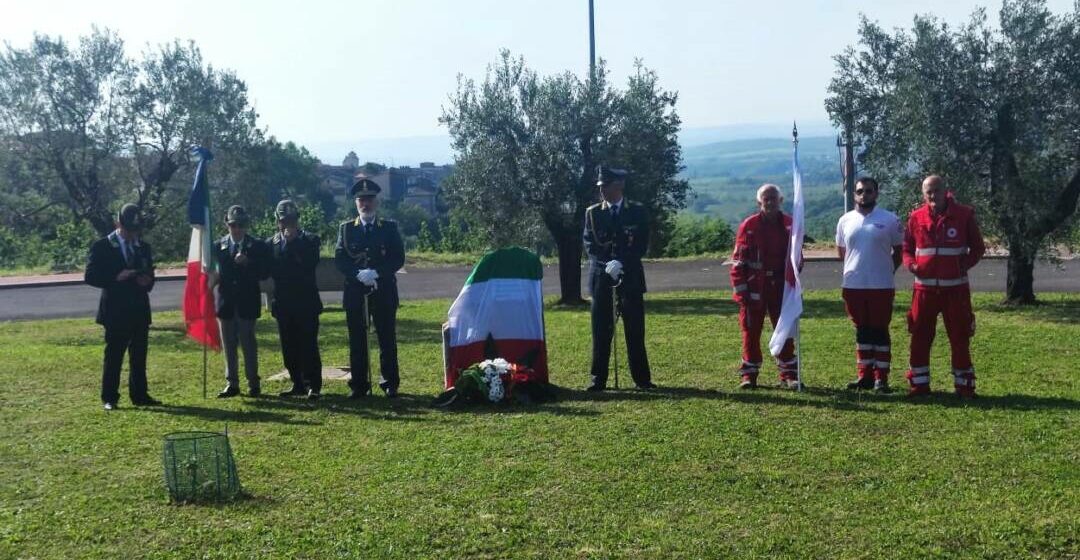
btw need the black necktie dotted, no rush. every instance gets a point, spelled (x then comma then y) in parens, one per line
(127, 250)
(367, 229)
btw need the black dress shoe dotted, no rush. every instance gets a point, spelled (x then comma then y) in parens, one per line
(595, 387)
(313, 395)
(110, 406)
(230, 391)
(647, 386)
(296, 391)
(146, 400)
(357, 394)
(391, 392)
(254, 392)
(860, 384)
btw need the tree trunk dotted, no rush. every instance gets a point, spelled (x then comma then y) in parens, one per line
(568, 241)
(1020, 275)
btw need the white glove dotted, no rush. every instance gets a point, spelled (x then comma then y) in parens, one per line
(367, 277)
(613, 269)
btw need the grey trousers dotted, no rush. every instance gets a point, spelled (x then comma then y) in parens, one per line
(240, 332)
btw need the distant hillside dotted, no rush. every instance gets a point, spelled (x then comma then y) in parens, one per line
(725, 177)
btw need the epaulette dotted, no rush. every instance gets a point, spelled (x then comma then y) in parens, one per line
(594, 206)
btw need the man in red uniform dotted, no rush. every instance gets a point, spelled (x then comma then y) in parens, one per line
(757, 277)
(941, 243)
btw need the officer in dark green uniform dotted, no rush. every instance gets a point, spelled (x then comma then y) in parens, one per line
(616, 238)
(296, 300)
(122, 265)
(369, 253)
(243, 262)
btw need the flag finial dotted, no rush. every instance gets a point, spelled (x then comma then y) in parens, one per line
(794, 132)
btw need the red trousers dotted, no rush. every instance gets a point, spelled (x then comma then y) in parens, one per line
(871, 311)
(954, 304)
(751, 321)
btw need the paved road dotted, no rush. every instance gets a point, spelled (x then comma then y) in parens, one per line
(445, 282)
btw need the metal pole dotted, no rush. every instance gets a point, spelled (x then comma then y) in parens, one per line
(202, 243)
(592, 43)
(367, 339)
(614, 328)
(849, 168)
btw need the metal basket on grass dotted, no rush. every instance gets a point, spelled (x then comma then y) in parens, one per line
(199, 467)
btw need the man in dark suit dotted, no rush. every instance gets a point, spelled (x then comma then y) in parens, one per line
(369, 253)
(123, 267)
(242, 263)
(296, 300)
(616, 237)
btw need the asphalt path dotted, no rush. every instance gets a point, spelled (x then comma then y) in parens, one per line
(80, 300)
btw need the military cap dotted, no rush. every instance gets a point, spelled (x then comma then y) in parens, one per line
(286, 209)
(605, 175)
(129, 217)
(364, 187)
(237, 215)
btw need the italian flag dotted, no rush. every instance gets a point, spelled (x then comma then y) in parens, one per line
(198, 303)
(501, 305)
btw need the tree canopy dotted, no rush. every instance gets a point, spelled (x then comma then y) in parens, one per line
(527, 147)
(992, 109)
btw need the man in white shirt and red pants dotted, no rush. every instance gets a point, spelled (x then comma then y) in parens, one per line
(870, 242)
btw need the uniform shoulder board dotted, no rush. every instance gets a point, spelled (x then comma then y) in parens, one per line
(593, 207)
(345, 223)
(276, 238)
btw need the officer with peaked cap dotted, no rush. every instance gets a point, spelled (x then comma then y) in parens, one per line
(243, 262)
(369, 253)
(122, 265)
(295, 254)
(616, 238)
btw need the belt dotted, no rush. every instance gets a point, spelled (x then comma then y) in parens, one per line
(942, 282)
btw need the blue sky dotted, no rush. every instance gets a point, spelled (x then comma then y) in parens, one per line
(328, 72)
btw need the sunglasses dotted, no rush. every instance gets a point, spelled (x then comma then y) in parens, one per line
(861, 191)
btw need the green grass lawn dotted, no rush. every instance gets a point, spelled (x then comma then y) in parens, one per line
(695, 470)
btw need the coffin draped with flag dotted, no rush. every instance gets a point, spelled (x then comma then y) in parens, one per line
(198, 305)
(501, 305)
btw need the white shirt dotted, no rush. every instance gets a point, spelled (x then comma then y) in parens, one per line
(868, 241)
(127, 248)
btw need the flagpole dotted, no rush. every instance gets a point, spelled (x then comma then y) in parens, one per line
(798, 324)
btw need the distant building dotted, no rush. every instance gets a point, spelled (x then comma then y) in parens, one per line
(413, 185)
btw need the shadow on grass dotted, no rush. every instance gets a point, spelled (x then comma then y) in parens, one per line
(1060, 311)
(725, 307)
(243, 499)
(949, 400)
(223, 415)
(405, 408)
(763, 395)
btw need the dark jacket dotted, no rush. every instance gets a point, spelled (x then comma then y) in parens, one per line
(624, 239)
(380, 249)
(122, 304)
(237, 290)
(293, 270)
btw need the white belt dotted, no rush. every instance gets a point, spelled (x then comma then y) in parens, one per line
(943, 282)
(943, 251)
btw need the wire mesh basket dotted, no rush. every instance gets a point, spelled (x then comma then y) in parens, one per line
(199, 467)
